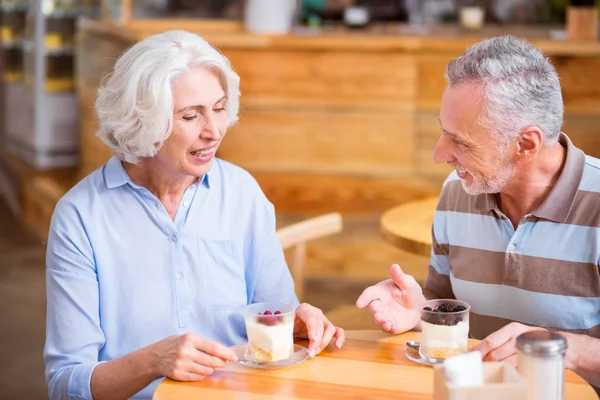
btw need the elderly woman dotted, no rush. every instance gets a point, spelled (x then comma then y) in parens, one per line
(153, 256)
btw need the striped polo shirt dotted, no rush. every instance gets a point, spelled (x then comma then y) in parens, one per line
(544, 273)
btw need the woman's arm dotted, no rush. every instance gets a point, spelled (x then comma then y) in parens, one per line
(73, 333)
(74, 336)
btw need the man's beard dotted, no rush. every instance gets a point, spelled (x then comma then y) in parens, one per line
(504, 172)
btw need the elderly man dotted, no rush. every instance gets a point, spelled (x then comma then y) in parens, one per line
(516, 233)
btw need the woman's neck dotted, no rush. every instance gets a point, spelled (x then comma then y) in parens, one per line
(166, 185)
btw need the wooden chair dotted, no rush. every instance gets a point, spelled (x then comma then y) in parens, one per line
(296, 236)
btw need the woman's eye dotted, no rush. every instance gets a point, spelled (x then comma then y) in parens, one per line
(218, 110)
(190, 118)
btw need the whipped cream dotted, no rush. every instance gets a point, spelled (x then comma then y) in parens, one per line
(270, 343)
(442, 341)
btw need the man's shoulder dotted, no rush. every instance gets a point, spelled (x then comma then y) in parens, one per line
(590, 181)
(452, 187)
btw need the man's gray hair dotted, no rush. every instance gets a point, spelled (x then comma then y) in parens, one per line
(135, 103)
(520, 87)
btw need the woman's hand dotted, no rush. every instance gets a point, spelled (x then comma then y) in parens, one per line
(190, 357)
(312, 324)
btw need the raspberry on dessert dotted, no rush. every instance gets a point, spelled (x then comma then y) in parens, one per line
(268, 321)
(459, 308)
(267, 313)
(277, 312)
(427, 309)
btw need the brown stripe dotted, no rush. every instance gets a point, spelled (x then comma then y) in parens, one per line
(560, 200)
(535, 274)
(438, 249)
(295, 388)
(585, 210)
(475, 265)
(480, 326)
(437, 286)
(454, 198)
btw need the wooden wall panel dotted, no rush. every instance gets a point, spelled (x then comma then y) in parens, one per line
(367, 144)
(427, 134)
(579, 81)
(334, 80)
(320, 193)
(585, 133)
(431, 81)
(97, 54)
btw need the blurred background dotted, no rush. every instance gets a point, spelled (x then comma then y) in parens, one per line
(339, 108)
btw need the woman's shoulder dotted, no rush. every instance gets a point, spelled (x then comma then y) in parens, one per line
(83, 192)
(232, 175)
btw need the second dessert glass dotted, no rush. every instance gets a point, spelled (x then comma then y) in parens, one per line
(445, 329)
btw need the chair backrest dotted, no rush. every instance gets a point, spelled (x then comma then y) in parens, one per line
(297, 235)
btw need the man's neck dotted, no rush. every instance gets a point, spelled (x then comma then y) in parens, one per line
(531, 185)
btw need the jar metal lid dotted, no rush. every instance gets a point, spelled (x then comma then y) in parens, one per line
(542, 343)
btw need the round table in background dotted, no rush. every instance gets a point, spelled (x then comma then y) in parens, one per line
(408, 226)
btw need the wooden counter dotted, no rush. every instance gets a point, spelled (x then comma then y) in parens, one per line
(339, 121)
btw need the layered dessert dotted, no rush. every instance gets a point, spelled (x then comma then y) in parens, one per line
(270, 336)
(445, 330)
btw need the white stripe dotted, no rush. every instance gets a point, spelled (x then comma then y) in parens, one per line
(541, 309)
(560, 242)
(590, 181)
(440, 263)
(538, 239)
(476, 231)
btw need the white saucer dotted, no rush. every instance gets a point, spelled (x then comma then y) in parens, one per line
(300, 354)
(415, 356)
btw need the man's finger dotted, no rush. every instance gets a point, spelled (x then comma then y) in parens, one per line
(505, 351)
(409, 292)
(368, 295)
(494, 340)
(402, 280)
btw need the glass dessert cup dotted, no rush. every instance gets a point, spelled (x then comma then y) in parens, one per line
(445, 329)
(270, 330)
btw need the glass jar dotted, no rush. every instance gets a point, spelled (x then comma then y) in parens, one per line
(444, 329)
(541, 363)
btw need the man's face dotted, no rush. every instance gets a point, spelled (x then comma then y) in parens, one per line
(482, 165)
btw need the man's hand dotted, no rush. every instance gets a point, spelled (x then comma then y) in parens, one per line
(502, 344)
(394, 304)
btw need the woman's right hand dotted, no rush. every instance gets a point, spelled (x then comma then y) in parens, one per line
(189, 357)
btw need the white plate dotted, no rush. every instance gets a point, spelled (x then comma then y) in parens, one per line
(300, 354)
(415, 356)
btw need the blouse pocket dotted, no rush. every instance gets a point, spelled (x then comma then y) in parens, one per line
(223, 274)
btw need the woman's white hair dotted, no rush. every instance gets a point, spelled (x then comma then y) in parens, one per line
(520, 87)
(135, 103)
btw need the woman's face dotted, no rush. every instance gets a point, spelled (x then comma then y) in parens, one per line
(199, 124)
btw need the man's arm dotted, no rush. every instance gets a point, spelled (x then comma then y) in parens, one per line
(583, 357)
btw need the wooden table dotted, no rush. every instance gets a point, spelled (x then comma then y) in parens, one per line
(408, 226)
(371, 365)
